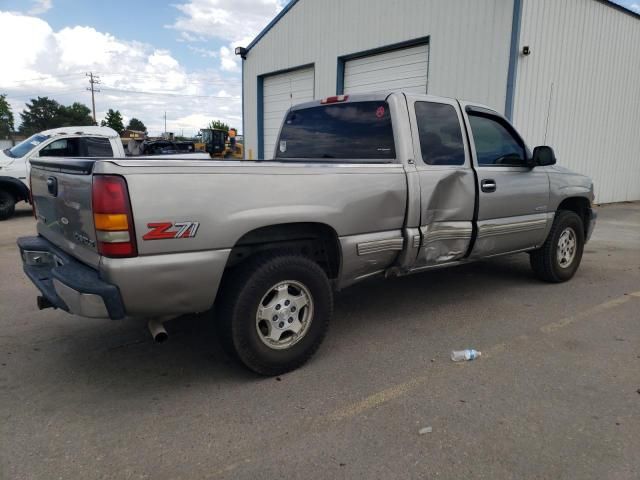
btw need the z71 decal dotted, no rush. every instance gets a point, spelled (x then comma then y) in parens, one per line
(166, 230)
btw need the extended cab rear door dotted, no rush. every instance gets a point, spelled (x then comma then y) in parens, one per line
(513, 197)
(447, 182)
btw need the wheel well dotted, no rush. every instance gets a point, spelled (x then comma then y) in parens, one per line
(16, 191)
(580, 206)
(314, 240)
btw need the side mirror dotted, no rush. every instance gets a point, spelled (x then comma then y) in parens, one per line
(543, 156)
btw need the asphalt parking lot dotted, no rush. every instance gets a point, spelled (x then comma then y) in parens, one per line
(555, 395)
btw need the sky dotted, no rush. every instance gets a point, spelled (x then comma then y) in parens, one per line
(151, 56)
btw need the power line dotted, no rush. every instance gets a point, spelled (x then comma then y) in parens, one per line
(170, 94)
(39, 94)
(162, 76)
(48, 77)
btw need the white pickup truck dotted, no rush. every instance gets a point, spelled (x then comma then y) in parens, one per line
(66, 142)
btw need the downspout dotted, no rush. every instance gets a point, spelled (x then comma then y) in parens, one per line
(514, 54)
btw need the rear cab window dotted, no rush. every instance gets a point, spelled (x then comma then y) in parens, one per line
(360, 131)
(440, 134)
(98, 147)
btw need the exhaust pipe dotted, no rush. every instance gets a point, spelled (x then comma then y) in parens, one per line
(157, 330)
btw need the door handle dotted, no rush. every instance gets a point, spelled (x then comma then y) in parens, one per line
(488, 185)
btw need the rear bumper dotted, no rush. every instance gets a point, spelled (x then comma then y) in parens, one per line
(68, 284)
(592, 217)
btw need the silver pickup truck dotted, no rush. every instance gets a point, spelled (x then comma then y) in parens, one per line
(381, 184)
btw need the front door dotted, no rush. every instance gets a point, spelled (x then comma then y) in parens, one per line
(513, 197)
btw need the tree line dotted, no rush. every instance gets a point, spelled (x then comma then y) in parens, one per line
(44, 113)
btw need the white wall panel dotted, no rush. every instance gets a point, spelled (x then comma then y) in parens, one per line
(468, 48)
(281, 92)
(579, 90)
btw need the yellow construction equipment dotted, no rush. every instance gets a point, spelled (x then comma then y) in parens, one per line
(219, 143)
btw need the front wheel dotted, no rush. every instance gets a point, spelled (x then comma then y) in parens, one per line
(559, 257)
(274, 312)
(7, 205)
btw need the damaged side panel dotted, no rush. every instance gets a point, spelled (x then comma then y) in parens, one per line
(446, 228)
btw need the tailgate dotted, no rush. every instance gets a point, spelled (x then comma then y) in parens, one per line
(61, 191)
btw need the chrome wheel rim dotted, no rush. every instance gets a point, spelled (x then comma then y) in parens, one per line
(567, 246)
(284, 315)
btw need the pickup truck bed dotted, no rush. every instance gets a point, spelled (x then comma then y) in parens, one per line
(376, 184)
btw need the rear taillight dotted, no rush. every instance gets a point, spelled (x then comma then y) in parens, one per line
(112, 217)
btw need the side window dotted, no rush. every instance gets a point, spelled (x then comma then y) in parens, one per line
(495, 143)
(98, 147)
(64, 147)
(440, 134)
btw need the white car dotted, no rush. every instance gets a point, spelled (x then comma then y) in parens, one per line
(64, 142)
(67, 142)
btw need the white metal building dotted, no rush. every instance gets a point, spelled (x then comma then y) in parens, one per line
(567, 72)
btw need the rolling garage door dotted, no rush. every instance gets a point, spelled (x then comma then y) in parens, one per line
(404, 69)
(280, 92)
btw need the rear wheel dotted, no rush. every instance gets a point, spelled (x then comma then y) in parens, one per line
(274, 312)
(559, 257)
(7, 205)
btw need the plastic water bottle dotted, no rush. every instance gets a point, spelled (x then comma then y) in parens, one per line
(464, 355)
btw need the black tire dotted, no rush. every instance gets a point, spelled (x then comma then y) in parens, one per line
(239, 300)
(545, 262)
(7, 205)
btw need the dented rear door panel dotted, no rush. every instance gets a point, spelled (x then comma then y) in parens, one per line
(447, 198)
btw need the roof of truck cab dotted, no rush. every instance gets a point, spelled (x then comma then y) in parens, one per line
(86, 130)
(384, 95)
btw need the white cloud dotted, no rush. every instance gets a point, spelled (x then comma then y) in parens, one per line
(635, 7)
(54, 63)
(228, 60)
(236, 23)
(40, 7)
(203, 52)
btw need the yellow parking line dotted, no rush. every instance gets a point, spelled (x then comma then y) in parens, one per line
(376, 399)
(391, 393)
(565, 322)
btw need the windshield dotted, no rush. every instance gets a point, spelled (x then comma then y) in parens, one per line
(27, 145)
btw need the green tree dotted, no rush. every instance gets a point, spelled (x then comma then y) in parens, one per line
(76, 114)
(135, 124)
(219, 125)
(6, 118)
(113, 119)
(42, 113)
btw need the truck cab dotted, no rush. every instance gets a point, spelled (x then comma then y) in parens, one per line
(65, 142)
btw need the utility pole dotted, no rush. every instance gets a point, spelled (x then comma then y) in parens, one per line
(93, 81)
(165, 124)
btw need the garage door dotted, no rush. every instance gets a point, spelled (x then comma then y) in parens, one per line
(404, 69)
(280, 92)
